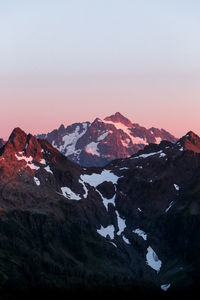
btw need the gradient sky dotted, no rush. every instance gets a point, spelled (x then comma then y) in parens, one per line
(64, 61)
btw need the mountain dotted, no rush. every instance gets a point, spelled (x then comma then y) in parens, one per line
(131, 227)
(190, 142)
(97, 143)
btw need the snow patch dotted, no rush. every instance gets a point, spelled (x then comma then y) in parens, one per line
(84, 187)
(109, 230)
(158, 140)
(22, 157)
(176, 187)
(70, 140)
(48, 169)
(170, 205)
(113, 244)
(121, 224)
(139, 140)
(165, 287)
(107, 201)
(28, 160)
(148, 154)
(43, 161)
(37, 182)
(96, 179)
(126, 142)
(162, 154)
(127, 130)
(126, 240)
(103, 136)
(32, 166)
(152, 259)
(141, 233)
(67, 193)
(92, 148)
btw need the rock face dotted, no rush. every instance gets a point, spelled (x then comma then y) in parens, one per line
(130, 226)
(190, 142)
(99, 142)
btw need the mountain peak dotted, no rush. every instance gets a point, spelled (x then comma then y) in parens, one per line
(191, 135)
(17, 131)
(61, 128)
(103, 140)
(18, 138)
(190, 141)
(119, 118)
(19, 142)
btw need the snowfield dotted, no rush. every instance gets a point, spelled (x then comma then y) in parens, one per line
(96, 179)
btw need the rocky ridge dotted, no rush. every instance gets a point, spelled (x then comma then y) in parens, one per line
(130, 226)
(97, 143)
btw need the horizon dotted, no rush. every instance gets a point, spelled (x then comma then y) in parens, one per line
(28, 132)
(64, 62)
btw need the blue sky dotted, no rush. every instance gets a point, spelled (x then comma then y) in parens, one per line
(100, 35)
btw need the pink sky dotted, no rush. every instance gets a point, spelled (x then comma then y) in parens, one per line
(39, 105)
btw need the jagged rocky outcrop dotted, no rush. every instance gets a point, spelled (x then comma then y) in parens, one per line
(132, 226)
(190, 141)
(99, 142)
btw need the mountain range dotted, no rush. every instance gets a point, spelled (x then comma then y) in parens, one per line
(131, 226)
(97, 143)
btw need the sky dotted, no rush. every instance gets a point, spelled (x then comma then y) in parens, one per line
(66, 61)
